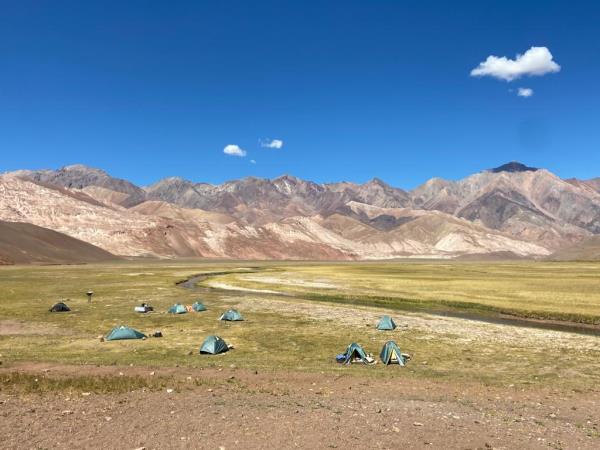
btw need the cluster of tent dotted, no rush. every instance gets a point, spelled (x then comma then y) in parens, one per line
(390, 354)
(213, 345)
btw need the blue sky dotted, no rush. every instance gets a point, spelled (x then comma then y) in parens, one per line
(354, 89)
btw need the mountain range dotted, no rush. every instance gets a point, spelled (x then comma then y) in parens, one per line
(509, 211)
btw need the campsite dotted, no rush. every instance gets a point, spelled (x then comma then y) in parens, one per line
(476, 374)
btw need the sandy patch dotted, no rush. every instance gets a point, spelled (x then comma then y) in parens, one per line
(229, 287)
(16, 328)
(289, 282)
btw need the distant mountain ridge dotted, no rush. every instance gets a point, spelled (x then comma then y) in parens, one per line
(514, 208)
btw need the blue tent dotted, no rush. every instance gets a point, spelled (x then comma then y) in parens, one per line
(353, 351)
(177, 308)
(214, 345)
(231, 315)
(390, 354)
(124, 332)
(386, 323)
(198, 307)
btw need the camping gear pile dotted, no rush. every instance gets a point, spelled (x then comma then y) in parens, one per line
(143, 308)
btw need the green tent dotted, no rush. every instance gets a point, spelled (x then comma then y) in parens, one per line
(231, 315)
(60, 307)
(214, 345)
(177, 308)
(390, 354)
(386, 323)
(123, 332)
(354, 350)
(198, 307)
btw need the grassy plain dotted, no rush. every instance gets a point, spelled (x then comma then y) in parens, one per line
(564, 291)
(332, 305)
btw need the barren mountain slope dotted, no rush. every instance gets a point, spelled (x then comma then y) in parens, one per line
(423, 233)
(78, 176)
(24, 243)
(119, 232)
(535, 205)
(587, 250)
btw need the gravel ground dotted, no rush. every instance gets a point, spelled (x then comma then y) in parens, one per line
(236, 408)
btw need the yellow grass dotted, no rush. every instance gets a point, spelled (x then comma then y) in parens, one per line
(306, 332)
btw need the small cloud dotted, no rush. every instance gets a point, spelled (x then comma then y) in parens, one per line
(525, 92)
(535, 61)
(234, 150)
(252, 161)
(272, 143)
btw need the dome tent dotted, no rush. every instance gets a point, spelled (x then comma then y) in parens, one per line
(390, 354)
(386, 323)
(177, 308)
(231, 315)
(353, 351)
(60, 307)
(213, 345)
(198, 307)
(124, 332)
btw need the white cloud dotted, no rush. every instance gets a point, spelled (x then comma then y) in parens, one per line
(535, 61)
(525, 92)
(253, 161)
(272, 143)
(234, 150)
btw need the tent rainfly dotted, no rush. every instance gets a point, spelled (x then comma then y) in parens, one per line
(177, 308)
(390, 354)
(353, 351)
(198, 307)
(60, 307)
(124, 332)
(213, 345)
(231, 315)
(386, 323)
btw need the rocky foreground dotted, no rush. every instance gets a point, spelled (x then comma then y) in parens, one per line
(235, 408)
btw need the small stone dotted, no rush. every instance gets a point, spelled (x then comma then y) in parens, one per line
(417, 424)
(67, 412)
(152, 373)
(169, 390)
(85, 394)
(108, 418)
